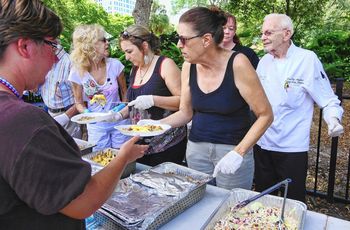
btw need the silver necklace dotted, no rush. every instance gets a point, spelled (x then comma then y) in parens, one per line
(142, 76)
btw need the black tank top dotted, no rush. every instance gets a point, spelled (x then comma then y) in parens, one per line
(154, 86)
(221, 116)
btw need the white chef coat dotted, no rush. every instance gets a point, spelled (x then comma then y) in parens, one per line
(292, 85)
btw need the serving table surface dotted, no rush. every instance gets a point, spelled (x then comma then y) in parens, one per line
(196, 216)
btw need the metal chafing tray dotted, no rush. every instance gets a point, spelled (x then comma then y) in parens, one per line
(130, 168)
(171, 204)
(293, 208)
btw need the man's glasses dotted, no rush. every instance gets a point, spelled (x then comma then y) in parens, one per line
(183, 39)
(57, 48)
(268, 33)
(127, 35)
(104, 40)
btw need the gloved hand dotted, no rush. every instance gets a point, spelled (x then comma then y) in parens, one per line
(335, 129)
(62, 119)
(142, 102)
(148, 122)
(114, 116)
(87, 111)
(229, 163)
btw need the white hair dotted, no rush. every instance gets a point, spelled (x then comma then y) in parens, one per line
(283, 20)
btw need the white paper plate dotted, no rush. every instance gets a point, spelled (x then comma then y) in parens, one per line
(122, 129)
(95, 117)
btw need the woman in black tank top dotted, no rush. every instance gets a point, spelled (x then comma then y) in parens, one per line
(219, 87)
(154, 87)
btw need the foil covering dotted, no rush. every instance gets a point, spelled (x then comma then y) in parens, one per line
(139, 199)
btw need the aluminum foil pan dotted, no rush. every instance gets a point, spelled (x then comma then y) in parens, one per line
(130, 168)
(151, 198)
(294, 209)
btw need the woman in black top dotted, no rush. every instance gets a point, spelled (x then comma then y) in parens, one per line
(232, 42)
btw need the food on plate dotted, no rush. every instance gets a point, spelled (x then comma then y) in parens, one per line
(256, 216)
(86, 118)
(99, 98)
(143, 128)
(104, 157)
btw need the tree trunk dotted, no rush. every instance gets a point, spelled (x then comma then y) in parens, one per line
(142, 12)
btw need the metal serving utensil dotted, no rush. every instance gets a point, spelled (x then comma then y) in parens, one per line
(281, 219)
(263, 193)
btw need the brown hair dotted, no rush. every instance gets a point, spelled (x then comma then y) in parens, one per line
(138, 34)
(26, 19)
(235, 38)
(206, 20)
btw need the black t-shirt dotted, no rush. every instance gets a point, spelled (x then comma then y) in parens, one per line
(41, 170)
(251, 55)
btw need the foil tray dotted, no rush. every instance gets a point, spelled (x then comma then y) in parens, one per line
(130, 168)
(296, 209)
(168, 206)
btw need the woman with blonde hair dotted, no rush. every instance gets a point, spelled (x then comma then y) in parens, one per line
(155, 87)
(94, 74)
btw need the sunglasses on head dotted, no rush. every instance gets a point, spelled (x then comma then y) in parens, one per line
(183, 39)
(127, 35)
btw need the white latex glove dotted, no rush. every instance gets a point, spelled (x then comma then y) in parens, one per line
(142, 102)
(148, 122)
(62, 119)
(229, 163)
(334, 127)
(114, 116)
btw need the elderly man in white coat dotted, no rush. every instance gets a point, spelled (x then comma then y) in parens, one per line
(293, 79)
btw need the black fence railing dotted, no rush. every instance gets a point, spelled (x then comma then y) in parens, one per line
(330, 193)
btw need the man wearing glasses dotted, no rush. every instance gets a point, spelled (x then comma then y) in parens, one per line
(44, 183)
(293, 79)
(57, 92)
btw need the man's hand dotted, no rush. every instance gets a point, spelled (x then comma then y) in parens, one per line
(229, 163)
(62, 119)
(335, 129)
(132, 151)
(142, 102)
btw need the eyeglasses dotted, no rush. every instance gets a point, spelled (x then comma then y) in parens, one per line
(57, 48)
(104, 40)
(268, 33)
(127, 35)
(183, 39)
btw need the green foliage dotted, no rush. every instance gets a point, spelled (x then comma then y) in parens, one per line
(159, 20)
(333, 48)
(77, 12)
(169, 48)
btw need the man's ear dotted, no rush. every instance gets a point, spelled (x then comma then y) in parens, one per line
(23, 47)
(287, 35)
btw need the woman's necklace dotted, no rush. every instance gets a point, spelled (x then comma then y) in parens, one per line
(142, 76)
(9, 86)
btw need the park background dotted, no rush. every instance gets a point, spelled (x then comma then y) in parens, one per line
(320, 25)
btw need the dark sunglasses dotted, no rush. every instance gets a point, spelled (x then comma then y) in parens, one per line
(183, 39)
(126, 35)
